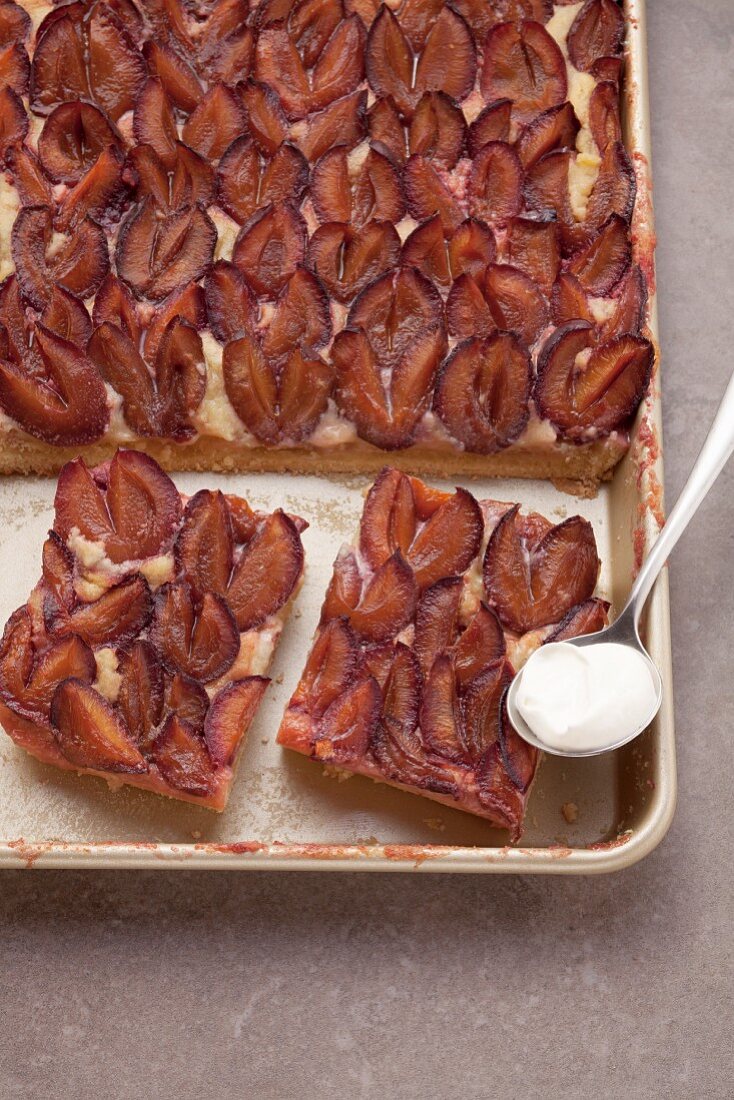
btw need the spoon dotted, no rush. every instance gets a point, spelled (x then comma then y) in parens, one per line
(717, 449)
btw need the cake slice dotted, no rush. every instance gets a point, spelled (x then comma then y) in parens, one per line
(298, 236)
(141, 654)
(425, 622)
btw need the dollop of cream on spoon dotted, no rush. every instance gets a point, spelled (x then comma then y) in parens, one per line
(584, 699)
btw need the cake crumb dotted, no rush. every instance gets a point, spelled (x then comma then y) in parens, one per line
(196, 834)
(435, 823)
(264, 740)
(336, 773)
(279, 679)
(570, 812)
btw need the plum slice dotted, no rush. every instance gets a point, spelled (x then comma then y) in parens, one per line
(448, 541)
(436, 620)
(341, 123)
(367, 191)
(546, 190)
(157, 253)
(444, 61)
(100, 195)
(387, 602)
(58, 70)
(531, 582)
(402, 758)
(515, 302)
(347, 259)
(198, 638)
(140, 697)
(483, 392)
(587, 618)
(89, 733)
(247, 180)
(598, 391)
(519, 758)
(481, 644)
(182, 757)
(266, 573)
(615, 187)
(269, 248)
(154, 123)
(629, 307)
(231, 307)
(215, 123)
(569, 300)
(15, 23)
(386, 129)
(114, 65)
(205, 543)
(426, 194)
(117, 616)
(437, 129)
(74, 135)
(15, 68)
(130, 505)
(492, 124)
(300, 319)
(597, 31)
(345, 730)
(604, 121)
(78, 260)
(495, 183)
(601, 263)
(523, 63)
(176, 75)
(187, 698)
(27, 679)
(230, 715)
(266, 119)
(275, 403)
(480, 709)
(535, 247)
(555, 128)
(388, 519)
(66, 405)
(440, 718)
(13, 122)
(330, 668)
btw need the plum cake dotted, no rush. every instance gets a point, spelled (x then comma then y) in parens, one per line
(141, 654)
(424, 624)
(298, 234)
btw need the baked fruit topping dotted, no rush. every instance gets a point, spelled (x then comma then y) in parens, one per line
(141, 652)
(409, 669)
(332, 222)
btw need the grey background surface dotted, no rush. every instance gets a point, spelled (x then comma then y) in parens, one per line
(275, 985)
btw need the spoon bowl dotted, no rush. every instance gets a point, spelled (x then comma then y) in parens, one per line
(619, 634)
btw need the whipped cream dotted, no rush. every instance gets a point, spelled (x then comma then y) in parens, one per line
(585, 699)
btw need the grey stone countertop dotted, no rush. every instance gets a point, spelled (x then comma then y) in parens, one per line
(135, 986)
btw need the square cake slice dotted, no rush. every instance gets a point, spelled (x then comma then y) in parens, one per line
(141, 653)
(425, 622)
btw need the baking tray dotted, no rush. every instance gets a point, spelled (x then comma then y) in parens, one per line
(584, 816)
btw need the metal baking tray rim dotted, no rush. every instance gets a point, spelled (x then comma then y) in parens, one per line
(614, 854)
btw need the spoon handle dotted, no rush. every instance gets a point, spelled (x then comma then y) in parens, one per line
(717, 449)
